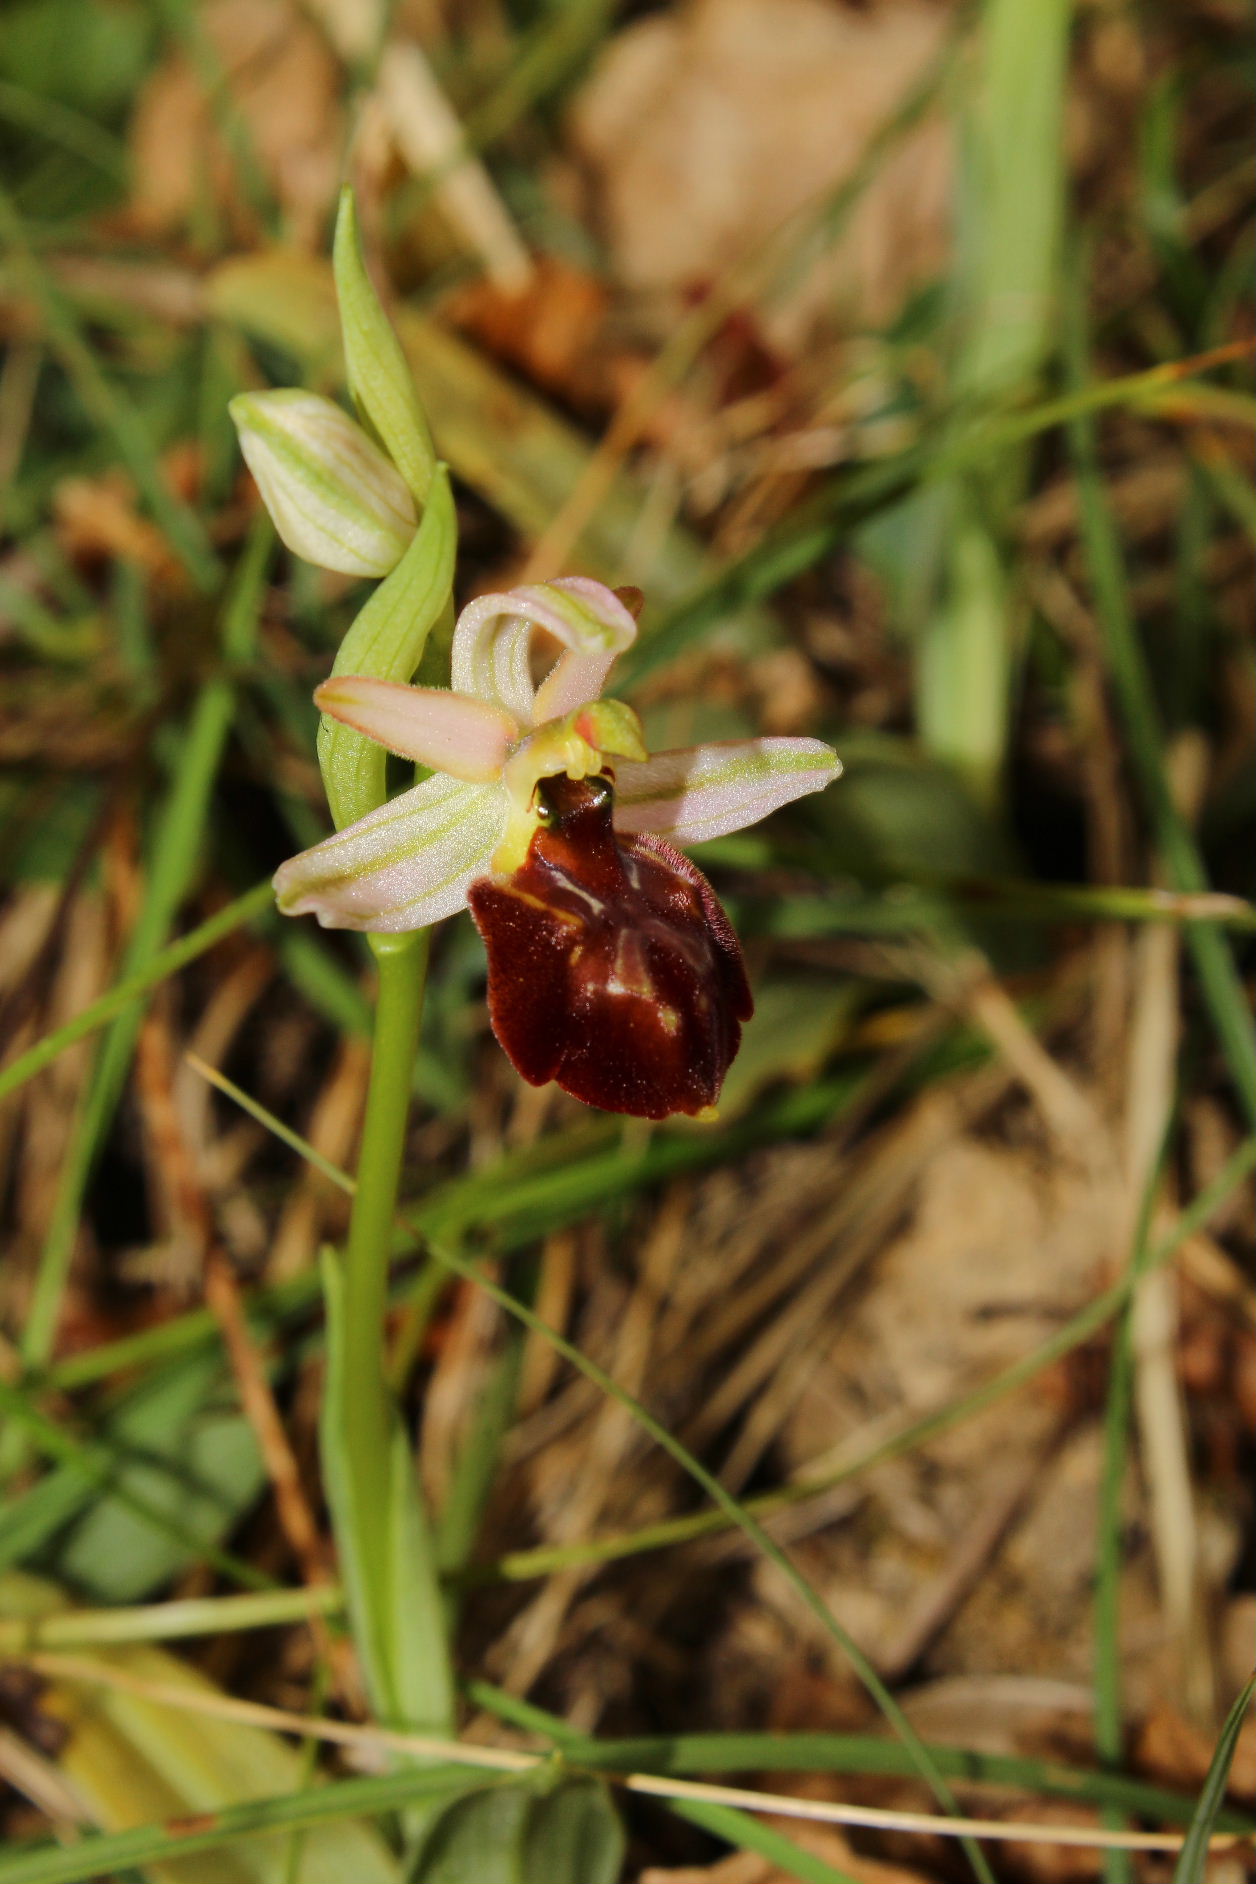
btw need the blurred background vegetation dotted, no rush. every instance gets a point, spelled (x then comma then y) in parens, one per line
(901, 353)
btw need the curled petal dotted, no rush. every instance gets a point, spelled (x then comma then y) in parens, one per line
(494, 635)
(450, 731)
(581, 673)
(706, 791)
(334, 497)
(401, 867)
(575, 678)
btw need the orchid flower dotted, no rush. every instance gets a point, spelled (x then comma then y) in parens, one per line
(493, 736)
(489, 823)
(612, 967)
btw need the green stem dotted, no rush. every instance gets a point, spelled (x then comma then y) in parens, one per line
(368, 1415)
(386, 1553)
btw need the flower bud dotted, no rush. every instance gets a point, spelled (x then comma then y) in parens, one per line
(334, 497)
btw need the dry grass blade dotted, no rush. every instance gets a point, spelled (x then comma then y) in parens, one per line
(369, 1739)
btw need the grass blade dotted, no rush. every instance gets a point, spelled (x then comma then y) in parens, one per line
(103, 1854)
(1011, 200)
(175, 853)
(166, 962)
(109, 410)
(734, 1511)
(1219, 978)
(858, 1753)
(746, 1833)
(1190, 1865)
(87, 1465)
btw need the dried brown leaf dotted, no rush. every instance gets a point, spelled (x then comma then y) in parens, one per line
(706, 128)
(285, 82)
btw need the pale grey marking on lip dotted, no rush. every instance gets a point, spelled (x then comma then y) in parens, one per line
(596, 903)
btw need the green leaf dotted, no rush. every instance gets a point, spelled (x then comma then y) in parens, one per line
(193, 1457)
(379, 378)
(745, 1832)
(87, 54)
(103, 1854)
(1194, 1853)
(479, 1839)
(134, 1760)
(1014, 191)
(573, 1836)
(903, 817)
(513, 1833)
(965, 661)
(386, 642)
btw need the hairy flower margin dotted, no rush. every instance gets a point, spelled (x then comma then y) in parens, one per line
(493, 737)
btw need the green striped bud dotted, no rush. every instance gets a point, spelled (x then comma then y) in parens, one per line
(334, 497)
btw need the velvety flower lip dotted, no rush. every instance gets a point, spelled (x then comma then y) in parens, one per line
(493, 736)
(612, 968)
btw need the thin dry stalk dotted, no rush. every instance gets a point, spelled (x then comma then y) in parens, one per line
(296, 1516)
(190, 1211)
(553, 1305)
(41, 1780)
(176, 1200)
(333, 1129)
(849, 1235)
(430, 139)
(226, 1011)
(534, 1635)
(1109, 838)
(939, 1601)
(1208, 1266)
(1159, 1407)
(371, 1739)
(970, 987)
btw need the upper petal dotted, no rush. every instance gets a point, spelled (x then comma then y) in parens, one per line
(706, 791)
(465, 737)
(490, 656)
(401, 867)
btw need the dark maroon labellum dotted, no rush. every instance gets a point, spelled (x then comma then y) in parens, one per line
(611, 966)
